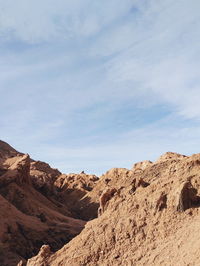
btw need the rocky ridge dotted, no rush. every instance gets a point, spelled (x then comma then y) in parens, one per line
(148, 215)
(30, 211)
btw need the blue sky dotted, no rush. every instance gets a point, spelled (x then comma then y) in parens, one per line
(91, 85)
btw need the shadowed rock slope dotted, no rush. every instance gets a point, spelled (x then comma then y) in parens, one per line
(148, 215)
(30, 213)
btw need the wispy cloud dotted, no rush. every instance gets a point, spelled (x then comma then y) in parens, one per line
(37, 21)
(92, 82)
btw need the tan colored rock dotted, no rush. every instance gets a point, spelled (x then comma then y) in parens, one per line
(144, 227)
(105, 197)
(141, 166)
(186, 196)
(28, 218)
(21, 263)
(18, 171)
(72, 190)
(149, 215)
(83, 182)
(22, 165)
(6, 151)
(43, 177)
(171, 156)
(42, 257)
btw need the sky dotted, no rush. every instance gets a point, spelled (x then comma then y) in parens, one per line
(91, 85)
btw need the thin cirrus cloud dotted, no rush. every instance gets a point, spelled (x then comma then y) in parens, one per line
(93, 85)
(37, 21)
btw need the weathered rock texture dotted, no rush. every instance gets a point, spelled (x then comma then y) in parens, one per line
(29, 217)
(72, 191)
(148, 215)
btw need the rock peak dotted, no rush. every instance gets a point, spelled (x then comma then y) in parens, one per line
(171, 156)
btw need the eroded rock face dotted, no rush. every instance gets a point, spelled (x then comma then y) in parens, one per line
(104, 199)
(151, 219)
(42, 257)
(141, 166)
(28, 218)
(83, 182)
(18, 171)
(148, 215)
(186, 197)
(171, 156)
(6, 151)
(43, 177)
(22, 166)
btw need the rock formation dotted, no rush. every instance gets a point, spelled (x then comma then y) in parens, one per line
(186, 196)
(148, 215)
(28, 218)
(145, 227)
(104, 199)
(141, 166)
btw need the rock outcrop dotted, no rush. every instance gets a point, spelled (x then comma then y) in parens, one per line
(141, 166)
(186, 197)
(28, 217)
(171, 156)
(6, 151)
(148, 215)
(104, 199)
(43, 177)
(151, 219)
(72, 190)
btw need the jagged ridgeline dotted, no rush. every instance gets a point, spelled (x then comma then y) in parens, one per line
(148, 215)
